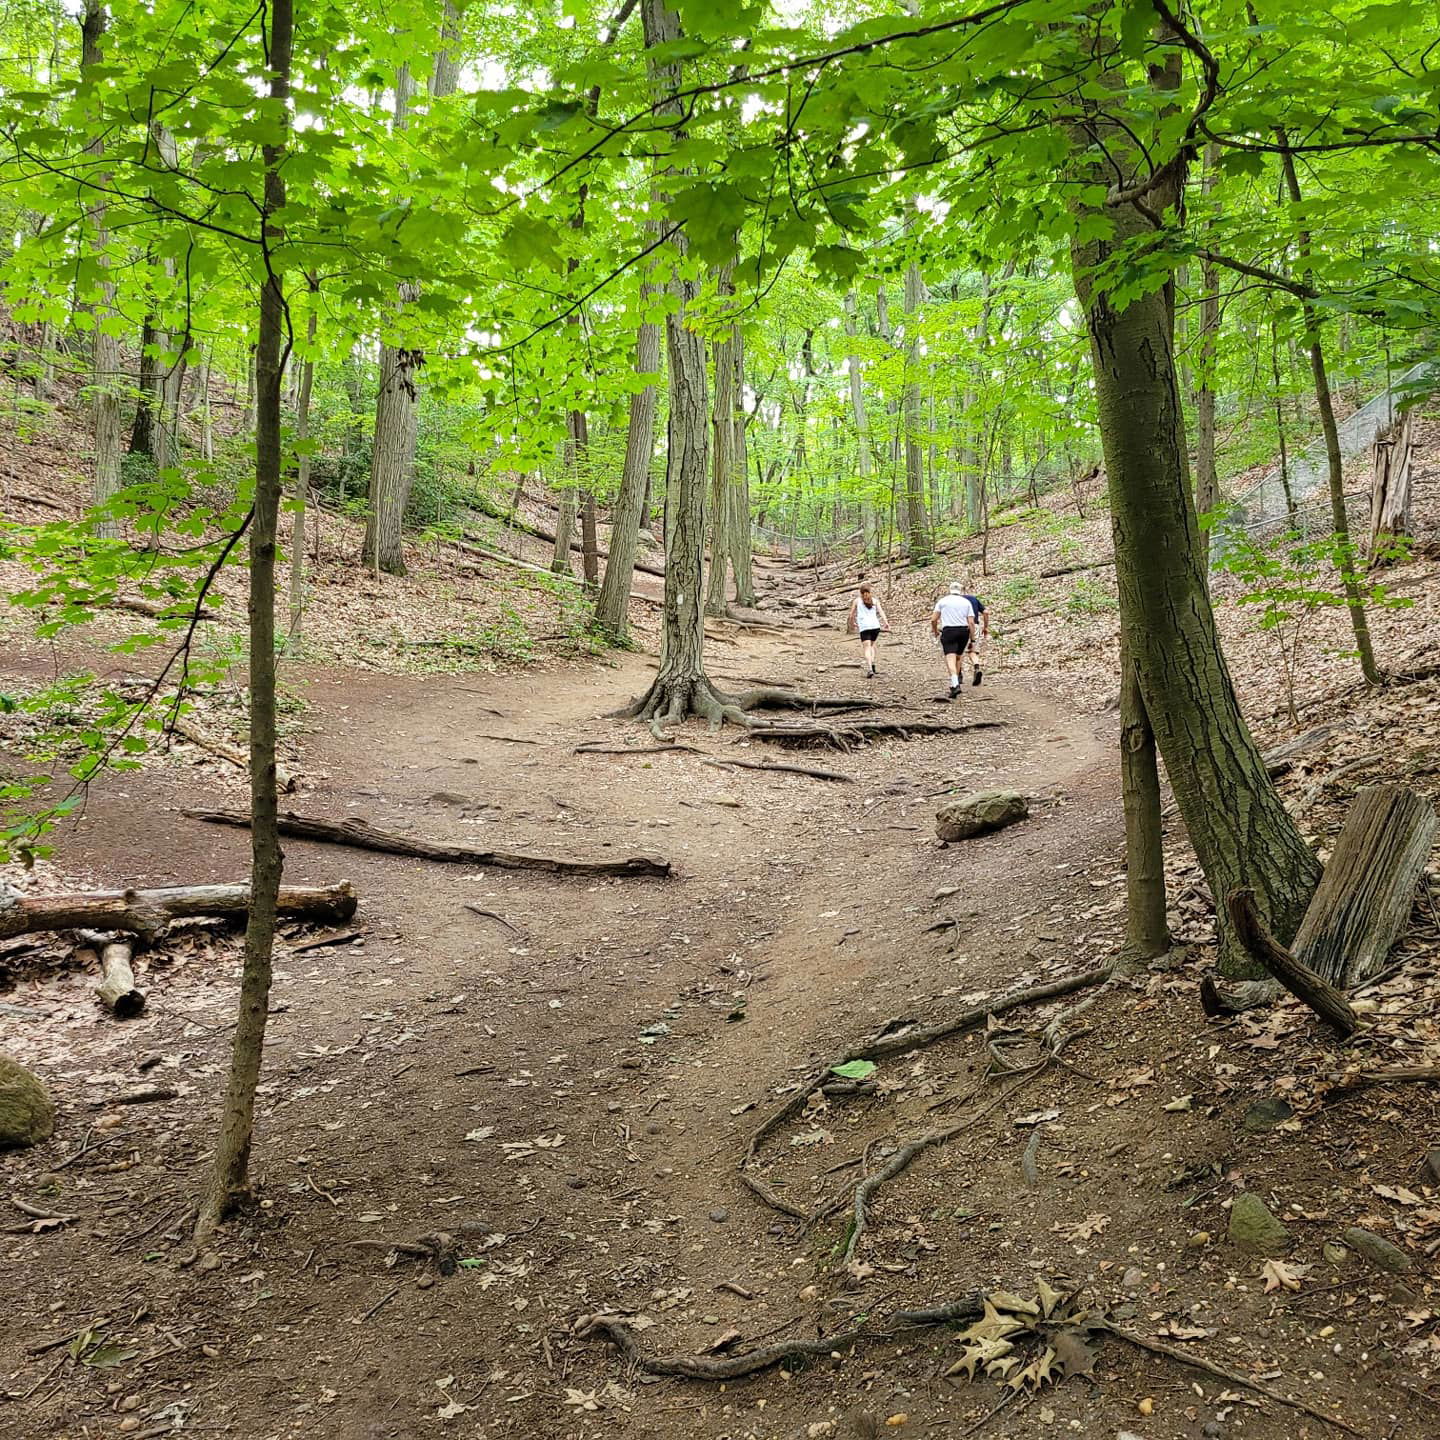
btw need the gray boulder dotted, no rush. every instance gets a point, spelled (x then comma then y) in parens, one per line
(1253, 1227)
(26, 1115)
(977, 813)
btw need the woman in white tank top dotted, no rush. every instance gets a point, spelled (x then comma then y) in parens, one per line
(868, 619)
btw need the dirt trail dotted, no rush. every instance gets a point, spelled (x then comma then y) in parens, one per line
(567, 1097)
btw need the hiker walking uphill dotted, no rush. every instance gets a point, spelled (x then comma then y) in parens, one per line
(979, 637)
(952, 621)
(868, 617)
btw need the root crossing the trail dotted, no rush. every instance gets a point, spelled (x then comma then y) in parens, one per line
(854, 733)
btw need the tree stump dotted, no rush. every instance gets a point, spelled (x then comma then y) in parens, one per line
(1364, 899)
(979, 813)
(26, 1114)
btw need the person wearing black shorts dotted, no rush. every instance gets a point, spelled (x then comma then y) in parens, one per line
(979, 636)
(951, 622)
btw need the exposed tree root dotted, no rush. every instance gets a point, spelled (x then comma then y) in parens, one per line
(734, 1367)
(901, 1160)
(888, 1042)
(669, 700)
(783, 769)
(858, 732)
(1235, 1377)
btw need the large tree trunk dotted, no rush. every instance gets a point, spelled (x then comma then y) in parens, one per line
(229, 1176)
(105, 414)
(1335, 464)
(1147, 932)
(917, 527)
(1240, 830)
(1207, 483)
(628, 515)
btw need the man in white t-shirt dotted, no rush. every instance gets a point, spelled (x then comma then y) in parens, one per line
(951, 622)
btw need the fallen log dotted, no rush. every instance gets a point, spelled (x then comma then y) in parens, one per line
(1280, 758)
(364, 836)
(1075, 569)
(859, 732)
(148, 912)
(174, 610)
(1365, 896)
(117, 990)
(183, 725)
(539, 532)
(1302, 982)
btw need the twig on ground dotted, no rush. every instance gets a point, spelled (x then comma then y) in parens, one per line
(499, 919)
(1235, 1377)
(86, 1148)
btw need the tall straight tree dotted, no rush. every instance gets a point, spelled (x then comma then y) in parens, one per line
(1324, 403)
(229, 1171)
(722, 460)
(917, 525)
(864, 458)
(1207, 483)
(1241, 831)
(104, 342)
(392, 458)
(740, 549)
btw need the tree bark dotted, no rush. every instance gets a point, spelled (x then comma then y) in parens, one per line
(722, 464)
(1147, 932)
(569, 501)
(1207, 483)
(1335, 463)
(229, 1177)
(1237, 823)
(1390, 493)
(105, 344)
(142, 427)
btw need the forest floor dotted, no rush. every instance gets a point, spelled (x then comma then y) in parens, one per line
(566, 1092)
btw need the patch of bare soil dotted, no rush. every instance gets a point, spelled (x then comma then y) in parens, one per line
(478, 1128)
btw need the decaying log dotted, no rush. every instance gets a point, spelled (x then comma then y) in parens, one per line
(858, 732)
(1302, 982)
(1280, 758)
(364, 836)
(1364, 898)
(117, 990)
(172, 610)
(148, 912)
(184, 725)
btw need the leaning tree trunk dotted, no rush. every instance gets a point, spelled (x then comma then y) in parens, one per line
(1237, 824)
(229, 1175)
(612, 610)
(1335, 463)
(105, 344)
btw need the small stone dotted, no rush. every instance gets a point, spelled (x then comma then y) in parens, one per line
(1379, 1252)
(129, 1424)
(1253, 1227)
(576, 1182)
(1132, 1279)
(653, 1129)
(208, 1261)
(1212, 1429)
(719, 1214)
(630, 1062)
(130, 1402)
(1199, 1240)
(1335, 1253)
(424, 1282)
(820, 1429)
(1146, 1406)
(1266, 1114)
